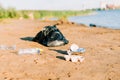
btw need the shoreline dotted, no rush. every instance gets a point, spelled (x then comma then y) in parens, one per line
(100, 19)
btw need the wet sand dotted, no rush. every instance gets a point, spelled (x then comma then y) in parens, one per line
(102, 56)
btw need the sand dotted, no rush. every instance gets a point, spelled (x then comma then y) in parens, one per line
(102, 56)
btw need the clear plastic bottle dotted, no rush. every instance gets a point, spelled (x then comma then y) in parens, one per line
(5, 47)
(30, 51)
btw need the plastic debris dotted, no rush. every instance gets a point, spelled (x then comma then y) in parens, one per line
(5, 47)
(75, 48)
(74, 58)
(30, 51)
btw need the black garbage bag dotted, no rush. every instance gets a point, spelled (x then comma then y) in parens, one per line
(50, 36)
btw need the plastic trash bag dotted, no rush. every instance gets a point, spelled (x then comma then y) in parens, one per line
(50, 36)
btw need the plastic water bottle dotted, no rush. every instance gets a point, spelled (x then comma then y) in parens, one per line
(5, 47)
(30, 51)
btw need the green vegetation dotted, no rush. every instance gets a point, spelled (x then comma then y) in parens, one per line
(13, 13)
(60, 14)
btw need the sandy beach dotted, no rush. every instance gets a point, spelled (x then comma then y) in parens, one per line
(102, 55)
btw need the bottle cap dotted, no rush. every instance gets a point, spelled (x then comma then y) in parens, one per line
(39, 50)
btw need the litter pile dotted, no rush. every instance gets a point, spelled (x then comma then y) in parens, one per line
(74, 58)
(50, 36)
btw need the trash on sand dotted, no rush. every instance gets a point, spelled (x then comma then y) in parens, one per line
(75, 48)
(50, 36)
(30, 51)
(74, 58)
(5, 47)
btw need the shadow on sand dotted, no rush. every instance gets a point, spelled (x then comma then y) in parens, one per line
(27, 38)
(60, 57)
(59, 51)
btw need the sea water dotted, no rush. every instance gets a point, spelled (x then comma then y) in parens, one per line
(105, 18)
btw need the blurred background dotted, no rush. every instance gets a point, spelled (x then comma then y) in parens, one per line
(53, 9)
